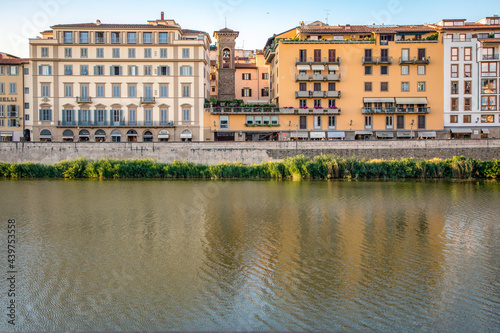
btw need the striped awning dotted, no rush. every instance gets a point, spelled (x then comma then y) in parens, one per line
(385, 135)
(461, 130)
(303, 67)
(378, 100)
(404, 134)
(414, 100)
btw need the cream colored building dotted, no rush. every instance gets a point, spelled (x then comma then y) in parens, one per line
(119, 82)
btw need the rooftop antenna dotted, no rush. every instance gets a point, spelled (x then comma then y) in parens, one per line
(225, 22)
(327, 14)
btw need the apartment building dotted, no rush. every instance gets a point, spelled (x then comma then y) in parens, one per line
(12, 102)
(471, 77)
(119, 82)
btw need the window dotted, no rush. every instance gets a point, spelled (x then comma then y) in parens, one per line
(116, 53)
(454, 119)
(405, 70)
(246, 92)
(384, 86)
(258, 120)
(186, 91)
(115, 70)
(302, 103)
(332, 122)
(421, 54)
(389, 122)
(68, 37)
(487, 118)
(317, 122)
(165, 70)
(454, 87)
(68, 117)
(26, 91)
(488, 103)
(275, 120)
(246, 76)
(368, 70)
(185, 53)
(265, 92)
(115, 38)
(224, 122)
(368, 122)
(467, 119)
(332, 55)
(302, 86)
(84, 37)
(45, 90)
(99, 37)
(164, 116)
(84, 70)
(368, 55)
(68, 90)
(131, 53)
(133, 70)
(467, 104)
(12, 111)
(317, 103)
(405, 54)
(132, 116)
(454, 54)
(147, 70)
(421, 122)
(13, 88)
(421, 70)
(45, 70)
(164, 91)
(132, 90)
(2, 110)
(186, 71)
(148, 120)
(45, 52)
(99, 53)
(368, 86)
(147, 53)
(317, 55)
(163, 53)
(84, 52)
(489, 68)
(67, 52)
(2, 88)
(186, 115)
(100, 90)
(488, 53)
(12, 70)
(467, 87)
(147, 38)
(26, 71)
(454, 71)
(405, 86)
(163, 38)
(400, 122)
(45, 115)
(420, 86)
(317, 86)
(303, 122)
(68, 70)
(384, 70)
(302, 55)
(467, 70)
(132, 38)
(489, 86)
(27, 116)
(265, 76)
(454, 104)
(468, 54)
(331, 103)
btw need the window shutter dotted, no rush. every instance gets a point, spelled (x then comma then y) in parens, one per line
(158, 71)
(242, 76)
(79, 115)
(105, 114)
(50, 115)
(120, 70)
(8, 70)
(40, 70)
(95, 117)
(111, 70)
(95, 70)
(168, 70)
(17, 110)
(40, 114)
(50, 70)
(250, 76)
(249, 92)
(243, 92)
(121, 116)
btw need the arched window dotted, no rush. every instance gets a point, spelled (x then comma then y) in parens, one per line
(45, 135)
(100, 135)
(116, 136)
(148, 136)
(186, 135)
(163, 136)
(226, 58)
(132, 136)
(84, 135)
(68, 135)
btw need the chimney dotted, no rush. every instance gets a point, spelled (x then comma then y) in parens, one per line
(347, 27)
(162, 16)
(98, 22)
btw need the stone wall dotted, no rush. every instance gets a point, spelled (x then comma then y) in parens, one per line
(246, 152)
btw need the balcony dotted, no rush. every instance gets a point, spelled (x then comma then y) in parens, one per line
(317, 94)
(323, 61)
(395, 110)
(148, 100)
(333, 77)
(491, 56)
(99, 40)
(121, 123)
(302, 77)
(414, 61)
(376, 61)
(84, 100)
(302, 94)
(317, 77)
(66, 123)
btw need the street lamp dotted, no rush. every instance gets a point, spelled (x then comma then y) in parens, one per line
(411, 128)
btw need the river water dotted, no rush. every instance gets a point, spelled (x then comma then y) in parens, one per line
(253, 255)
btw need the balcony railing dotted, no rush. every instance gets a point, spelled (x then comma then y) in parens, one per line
(66, 123)
(415, 60)
(84, 99)
(395, 110)
(317, 94)
(148, 100)
(491, 56)
(377, 60)
(317, 77)
(272, 110)
(121, 123)
(324, 60)
(99, 40)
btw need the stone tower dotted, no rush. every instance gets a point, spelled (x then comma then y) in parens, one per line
(225, 63)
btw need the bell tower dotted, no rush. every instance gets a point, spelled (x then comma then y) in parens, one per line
(226, 43)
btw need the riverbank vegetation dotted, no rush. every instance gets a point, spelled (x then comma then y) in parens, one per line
(296, 168)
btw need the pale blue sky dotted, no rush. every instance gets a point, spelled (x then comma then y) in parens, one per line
(256, 20)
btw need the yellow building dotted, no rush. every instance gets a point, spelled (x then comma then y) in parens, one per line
(352, 82)
(12, 97)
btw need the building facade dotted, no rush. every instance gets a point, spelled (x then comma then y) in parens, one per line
(12, 102)
(119, 82)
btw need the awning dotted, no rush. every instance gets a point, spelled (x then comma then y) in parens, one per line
(333, 67)
(363, 133)
(45, 136)
(461, 130)
(317, 135)
(385, 135)
(378, 100)
(404, 134)
(131, 134)
(302, 135)
(485, 131)
(84, 136)
(163, 134)
(416, 100)
(303, 67)
(336, 135)
(430, 134)
(67, 137)
(318, 67)
(186, 135)
(6, 134)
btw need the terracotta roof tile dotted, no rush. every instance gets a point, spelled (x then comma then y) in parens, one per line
(14, 61)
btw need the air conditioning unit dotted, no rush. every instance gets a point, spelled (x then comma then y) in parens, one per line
(170, 123)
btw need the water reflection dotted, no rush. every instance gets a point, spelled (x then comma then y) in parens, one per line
(189, 255)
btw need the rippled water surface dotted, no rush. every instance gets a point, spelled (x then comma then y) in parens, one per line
(266, 256)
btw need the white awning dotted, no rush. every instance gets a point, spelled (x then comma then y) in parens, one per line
(415, 100)
(318, 67)
(186, 135)
(131, 134)
(378, 100)
(405, 134)
(485, 131)
(303, 67)
(10, 134)
(461, 130)
(302, 135)
(67, 137)
(336, 135)
(430, 134)
(363, 133)
(163, 134)
(333, 67)
(317, 135)
(385, 135)
(45, 136)
(84, 136)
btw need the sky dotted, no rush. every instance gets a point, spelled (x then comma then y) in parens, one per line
(256, 20)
